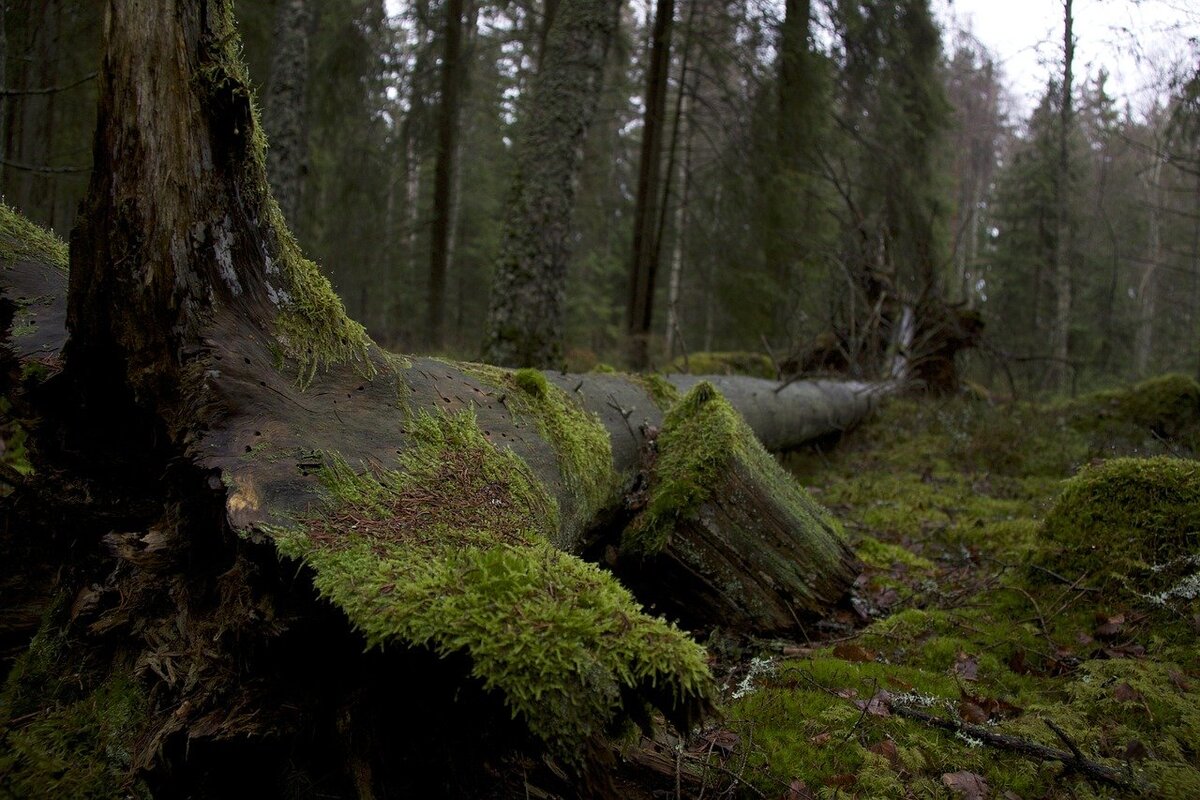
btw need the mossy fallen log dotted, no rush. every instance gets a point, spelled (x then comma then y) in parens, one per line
(219, 407)
(461, 491)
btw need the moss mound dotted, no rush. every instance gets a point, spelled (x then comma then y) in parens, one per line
(1126, 521)
(470, 569)
(1166, 407)
(755, 365)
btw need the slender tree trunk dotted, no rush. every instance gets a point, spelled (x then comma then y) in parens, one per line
(646, 245)
(549, 12)
(285, 107)
(1147, 292)
(453, 69)
(681, 219)
(525, 324)
(1060, 371)
(3, 85)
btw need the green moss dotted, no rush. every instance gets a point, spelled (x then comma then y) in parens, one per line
(701, 438)
(14, 455)
(755, 365)
(532, 382)
(661, 391)
(1167, 404)
(580, 440)
(470, 569)
(604, 369)
(805, 725)
(1126, 519)
(883, 555)
(311, 327)
(58, 739)
(960, 487)
(22, 239)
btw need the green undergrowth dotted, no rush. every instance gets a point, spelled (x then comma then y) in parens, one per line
(451, 551)
(58, 739)
(988, 536)
(22, 239)
(755, 365)
(580, 441)
(701, 440)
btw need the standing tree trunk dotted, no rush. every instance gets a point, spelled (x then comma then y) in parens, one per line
(646, 245)
(1147, 291)
(528, 300)
(285, 107)
(1059, 373)
(453, 71)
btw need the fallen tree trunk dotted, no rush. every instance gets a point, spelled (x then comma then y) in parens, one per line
(215, 409)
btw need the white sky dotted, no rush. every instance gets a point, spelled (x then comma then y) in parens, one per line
(1133, 40)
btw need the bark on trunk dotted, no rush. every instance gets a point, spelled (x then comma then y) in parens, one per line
(285, 107)
(525, 318)
(1060, 371)
(454, 67)
(646, 245)
(217, 411)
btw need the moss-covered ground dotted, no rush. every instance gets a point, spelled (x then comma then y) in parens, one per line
(1006, 548)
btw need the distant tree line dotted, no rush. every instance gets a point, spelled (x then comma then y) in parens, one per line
(843, 185)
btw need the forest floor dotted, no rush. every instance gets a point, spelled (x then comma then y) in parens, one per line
(1005, 611)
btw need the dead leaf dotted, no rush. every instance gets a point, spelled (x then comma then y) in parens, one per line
(798, 790)
(1016, 663)
(723, 740)
(972, 712)
(1136, 751)
(966, 667)
(887, 748)
(821, 738)
(966, 784)
(886, 599)
(877, 706)
(1110, 626)
(849, 651)
(1125, 693)
(841, 781)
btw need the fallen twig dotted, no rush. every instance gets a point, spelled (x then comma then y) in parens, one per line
(1073, 760)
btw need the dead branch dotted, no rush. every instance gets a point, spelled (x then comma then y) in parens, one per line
(1074, 760)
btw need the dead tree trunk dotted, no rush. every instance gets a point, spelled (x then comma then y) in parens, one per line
(214, 410)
